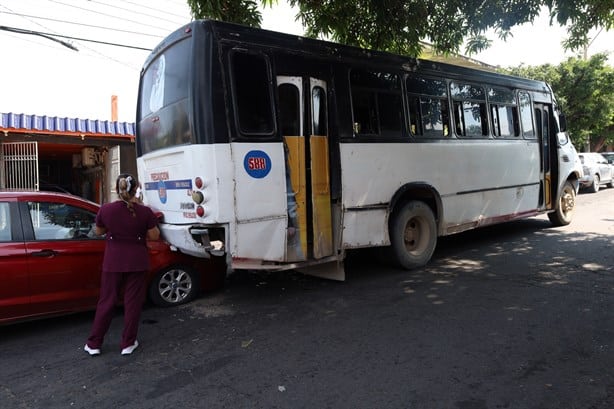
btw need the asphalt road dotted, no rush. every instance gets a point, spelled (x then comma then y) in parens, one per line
(512, 316)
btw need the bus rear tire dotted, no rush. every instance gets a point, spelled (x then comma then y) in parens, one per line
(413, 234)
(564, 209)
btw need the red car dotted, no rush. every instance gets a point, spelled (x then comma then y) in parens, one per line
(50, 259)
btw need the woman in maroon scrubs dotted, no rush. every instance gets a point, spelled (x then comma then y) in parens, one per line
(127, 225)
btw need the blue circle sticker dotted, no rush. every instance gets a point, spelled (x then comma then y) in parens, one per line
(162, 191)
(257, 164)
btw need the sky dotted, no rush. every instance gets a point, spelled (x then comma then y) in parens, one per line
(41, 77)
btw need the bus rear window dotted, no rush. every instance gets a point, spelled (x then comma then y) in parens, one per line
(165, 81)
(170, 126)
(164, 118)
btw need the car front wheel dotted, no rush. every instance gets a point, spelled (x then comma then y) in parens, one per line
(594, 188)
(174, 285)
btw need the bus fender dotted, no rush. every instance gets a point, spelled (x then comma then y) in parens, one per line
(417, 191)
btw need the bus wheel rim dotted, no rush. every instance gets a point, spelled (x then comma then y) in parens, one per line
(414, 235)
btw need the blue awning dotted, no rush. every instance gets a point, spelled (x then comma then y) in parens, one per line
(54, 124)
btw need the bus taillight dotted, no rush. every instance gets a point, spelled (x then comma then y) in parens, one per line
(200, 211)
(198, 182)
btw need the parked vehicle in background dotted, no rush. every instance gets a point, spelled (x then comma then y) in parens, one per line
(597, 171)
(609, 156)
(50, 259)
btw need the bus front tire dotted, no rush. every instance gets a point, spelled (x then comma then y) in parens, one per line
(563, 213)
(413, 234)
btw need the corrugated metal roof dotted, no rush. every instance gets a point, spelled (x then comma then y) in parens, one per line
(54, 124)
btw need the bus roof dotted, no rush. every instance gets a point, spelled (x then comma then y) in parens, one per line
(326, 50)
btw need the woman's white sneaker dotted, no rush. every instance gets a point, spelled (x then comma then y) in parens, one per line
(91, 351)
(130, 349)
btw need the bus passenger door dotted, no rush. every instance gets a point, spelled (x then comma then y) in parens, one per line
(320, 170)
(542, 125)
(303, 111)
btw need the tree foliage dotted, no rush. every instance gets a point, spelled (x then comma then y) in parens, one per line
(235, 11)
(585, 90)
(402, 25)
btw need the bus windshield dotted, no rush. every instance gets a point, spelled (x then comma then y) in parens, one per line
(163, 116)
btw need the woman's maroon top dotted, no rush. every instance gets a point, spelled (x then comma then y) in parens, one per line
(126, 246)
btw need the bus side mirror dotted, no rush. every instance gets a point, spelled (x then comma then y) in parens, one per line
(562, 122)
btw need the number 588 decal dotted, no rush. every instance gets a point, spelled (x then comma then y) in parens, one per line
(257, 164)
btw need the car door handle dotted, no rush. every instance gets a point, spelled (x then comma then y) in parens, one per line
(44, 253)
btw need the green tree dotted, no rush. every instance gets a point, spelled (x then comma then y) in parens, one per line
(401, 25)
(585, 90)
(235, 11)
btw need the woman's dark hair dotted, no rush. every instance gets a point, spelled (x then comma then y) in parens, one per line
(126, 186)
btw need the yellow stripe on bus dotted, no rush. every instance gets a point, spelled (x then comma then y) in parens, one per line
(296, 161)
(322, 220)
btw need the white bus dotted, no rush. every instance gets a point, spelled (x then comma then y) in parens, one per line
(282, 152)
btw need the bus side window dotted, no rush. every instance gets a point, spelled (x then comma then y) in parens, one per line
(471, 116)
(377, 104)
(434, 119)
(428, 107)
(365, 112)
(415, 118)
(503, 113)
(458, 118)
(526, 116)
(505, 121)
(484, 119)
(319, 110)
(445, 117)
(289, 109)
(390, 114)
(516, 123)
(252, 94)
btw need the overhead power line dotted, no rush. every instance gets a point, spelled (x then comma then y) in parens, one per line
(107, 15)
(81, 24)
(161, 11)
(133, 11)
(56, 34)
(92, 12)
(50, 36)
(36, 43)
(38, 33)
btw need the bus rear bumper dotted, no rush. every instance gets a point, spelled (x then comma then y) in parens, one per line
(192, 240)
